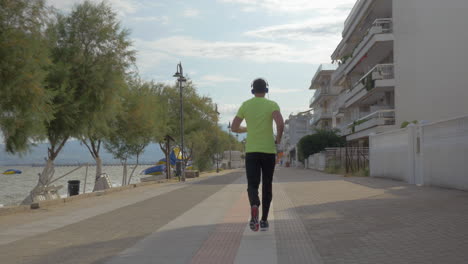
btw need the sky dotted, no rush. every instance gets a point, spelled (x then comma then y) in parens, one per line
(225, 44)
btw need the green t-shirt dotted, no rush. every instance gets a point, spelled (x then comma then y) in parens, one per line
(257, 113)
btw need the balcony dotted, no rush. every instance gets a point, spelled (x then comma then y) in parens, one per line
(378, 118)
(321, 93)
(339, 105)
(380, 32)
(320, 114)
(371, 86)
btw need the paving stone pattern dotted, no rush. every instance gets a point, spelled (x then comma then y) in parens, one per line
(316, 218)
(368, 220)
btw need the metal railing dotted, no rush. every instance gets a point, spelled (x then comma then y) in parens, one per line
(379, 26)
(378, 118)
(379, 72)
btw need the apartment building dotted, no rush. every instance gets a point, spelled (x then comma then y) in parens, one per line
(324, 97)
(365, 76)
(296, 127)
(400, 60)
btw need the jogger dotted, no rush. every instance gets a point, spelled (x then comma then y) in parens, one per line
(260, 159)
(260, 167)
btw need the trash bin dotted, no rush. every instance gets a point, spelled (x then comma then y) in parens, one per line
(73, 187)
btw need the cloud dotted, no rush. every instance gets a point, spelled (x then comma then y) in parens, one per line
(213, 80)
(228, 110)
(162, 19)
(122, 7)
(191, 12)
(263, 52)
(218, 78)
(286, 111)
(310, 30)
(285, 91)
(293, 5)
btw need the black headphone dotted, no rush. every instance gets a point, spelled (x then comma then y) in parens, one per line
(263, 90)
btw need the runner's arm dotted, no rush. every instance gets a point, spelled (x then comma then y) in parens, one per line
(236, 127)
(279, 126)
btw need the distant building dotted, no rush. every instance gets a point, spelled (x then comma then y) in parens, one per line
(324, 98)
(296, 127)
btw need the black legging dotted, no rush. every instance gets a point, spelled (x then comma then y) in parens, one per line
(260, 166)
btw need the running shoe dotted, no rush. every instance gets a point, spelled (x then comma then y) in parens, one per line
(264, 225)
(254, 226)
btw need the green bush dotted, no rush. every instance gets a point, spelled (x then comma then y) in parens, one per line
(317, 142)
(406, 123)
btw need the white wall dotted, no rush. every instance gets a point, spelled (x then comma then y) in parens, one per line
(431, 57)
(444, 153)
(317, 161)
(389, 155)
(430, 154)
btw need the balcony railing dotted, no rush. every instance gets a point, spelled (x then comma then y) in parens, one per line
(379, 72)
(379, 26)
(378, 118)
(324, 91)
(321, 113)
(368, 82)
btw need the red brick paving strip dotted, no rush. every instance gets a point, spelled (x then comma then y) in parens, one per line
(223, 244)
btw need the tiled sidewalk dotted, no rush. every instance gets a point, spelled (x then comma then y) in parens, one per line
(368, 220)
(316, 218)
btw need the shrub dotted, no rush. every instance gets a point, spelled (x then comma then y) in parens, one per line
(317, 142)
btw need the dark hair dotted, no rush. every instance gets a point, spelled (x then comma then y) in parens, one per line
(259, 85)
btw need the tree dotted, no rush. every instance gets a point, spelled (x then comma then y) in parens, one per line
(203, 138)
(99, 56)
(317, 142)
(66, 100)
(25, 104)
(136, 124)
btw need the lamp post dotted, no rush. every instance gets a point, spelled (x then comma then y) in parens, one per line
(217, 139)
(229, 130)
(181, 79)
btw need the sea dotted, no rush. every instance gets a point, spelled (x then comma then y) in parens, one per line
(15, 187)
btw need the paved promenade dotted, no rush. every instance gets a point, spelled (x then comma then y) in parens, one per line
(315, 218)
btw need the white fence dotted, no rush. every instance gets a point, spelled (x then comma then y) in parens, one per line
(317, 161)
(429, 154)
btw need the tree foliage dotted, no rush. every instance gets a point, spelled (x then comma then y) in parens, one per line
(137, 122)
(202, 137)
(317, 142)
(24, 101)
(96, 52)
(71, 75)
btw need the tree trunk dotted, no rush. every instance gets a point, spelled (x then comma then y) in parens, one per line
(124, 176)
(98, 167)
(44, 179)
(134, 168)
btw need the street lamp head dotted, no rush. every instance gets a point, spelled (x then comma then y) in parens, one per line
(179, 73)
